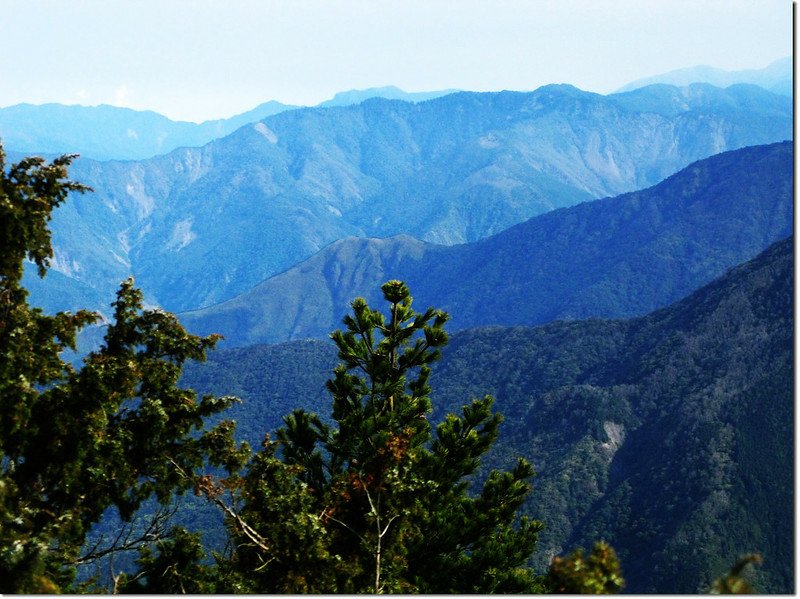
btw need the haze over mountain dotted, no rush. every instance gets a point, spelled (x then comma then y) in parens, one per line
(669, 436)
(776, 77)
(390, 92)
(200, 225)
(113, 133)
(109, 132)
(615, 257)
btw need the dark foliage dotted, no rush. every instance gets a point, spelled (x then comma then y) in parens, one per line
(373, 501)
(76, 441)
(670, 436)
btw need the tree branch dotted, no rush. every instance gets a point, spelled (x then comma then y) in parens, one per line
(210, 495)
(123, 542)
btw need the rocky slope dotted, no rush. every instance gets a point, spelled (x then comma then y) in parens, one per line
(200, 225)
(615, 257)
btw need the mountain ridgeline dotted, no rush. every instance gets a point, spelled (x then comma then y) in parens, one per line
(110, 132)
(113, 133)
(201, 225)
(669, 435)
(775, 77)
(616, 257)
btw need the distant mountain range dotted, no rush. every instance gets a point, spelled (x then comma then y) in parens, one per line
(776, 77)
(109, 132)
(669, 436)
(356, 96)
(112, 133)
(200, 225)
(615, 257)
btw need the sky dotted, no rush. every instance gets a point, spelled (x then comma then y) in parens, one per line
(203, 59)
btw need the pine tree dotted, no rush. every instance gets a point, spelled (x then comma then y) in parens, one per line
(375, 502)
(576, 574)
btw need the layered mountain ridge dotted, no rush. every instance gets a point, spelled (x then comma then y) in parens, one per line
(201, 225)
(775, 77)
(668, 435)
(114, 133)
(616, 257)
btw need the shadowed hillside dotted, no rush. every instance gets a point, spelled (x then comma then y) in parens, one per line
(616, 257)
(669, 436)
(200, 225)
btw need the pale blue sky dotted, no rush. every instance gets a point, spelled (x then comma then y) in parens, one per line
(200, 59)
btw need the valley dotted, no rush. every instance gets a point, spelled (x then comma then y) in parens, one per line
(618, 271)
(199, 226)
(668, 435)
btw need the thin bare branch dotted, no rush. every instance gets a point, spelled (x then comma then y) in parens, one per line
(345, 525)
(392, 519)
(248, 530)
(126, 541)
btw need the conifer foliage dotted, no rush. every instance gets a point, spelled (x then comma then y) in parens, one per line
(74, 442)
(576, 574)
(376, 502)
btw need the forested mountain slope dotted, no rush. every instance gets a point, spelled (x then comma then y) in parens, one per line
(615, 257)
(669, 436)
(200, 225)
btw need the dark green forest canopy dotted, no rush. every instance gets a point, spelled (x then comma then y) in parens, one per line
(669, 436)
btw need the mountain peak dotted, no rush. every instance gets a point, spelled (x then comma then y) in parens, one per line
(571, 263)
(775, 77)
(389, 92)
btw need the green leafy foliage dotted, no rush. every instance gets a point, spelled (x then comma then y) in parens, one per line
(175, 568)
(74, 442)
